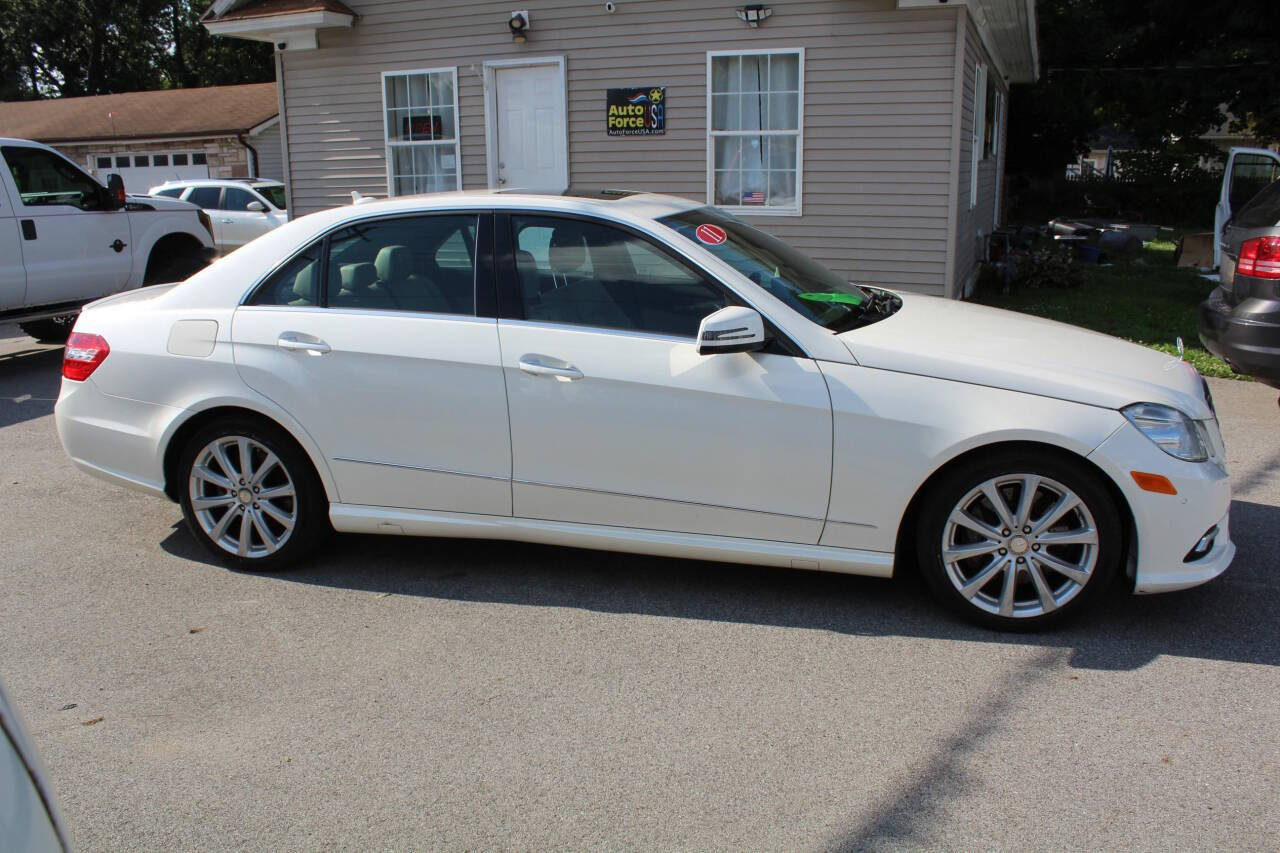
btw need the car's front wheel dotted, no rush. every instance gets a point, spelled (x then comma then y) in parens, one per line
(250, 495)
(1019, 541)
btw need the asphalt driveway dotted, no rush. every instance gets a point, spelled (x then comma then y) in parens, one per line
(428, 694)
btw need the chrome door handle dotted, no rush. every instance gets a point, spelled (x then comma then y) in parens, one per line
(535, 366)
(227, 221)
(295, 342)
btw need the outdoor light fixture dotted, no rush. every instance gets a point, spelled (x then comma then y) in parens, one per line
(753, 15)
(519, 23)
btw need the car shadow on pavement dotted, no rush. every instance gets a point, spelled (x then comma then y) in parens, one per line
(29, 383)
(1232, 618)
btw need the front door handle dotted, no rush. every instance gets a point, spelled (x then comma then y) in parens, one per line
(298, 342)
(28, 229)
(537, 365)
(227, 221)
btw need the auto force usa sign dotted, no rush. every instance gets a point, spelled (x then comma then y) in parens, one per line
(638, 112)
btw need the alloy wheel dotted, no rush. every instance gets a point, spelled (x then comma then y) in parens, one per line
(243, 497)
(1020, 545)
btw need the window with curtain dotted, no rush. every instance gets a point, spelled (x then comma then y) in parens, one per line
(421, 126)
(755, 133)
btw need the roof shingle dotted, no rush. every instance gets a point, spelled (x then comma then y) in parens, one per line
(210, 111)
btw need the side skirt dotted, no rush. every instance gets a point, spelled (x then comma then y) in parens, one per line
(351, 518)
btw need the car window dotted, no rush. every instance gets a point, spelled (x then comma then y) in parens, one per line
(44, 178)
(237, 199)
(171, 192)
(275, 195)
(296, 283)
(1263, 211)
(590, 274)
(205, 197)
(396, 265)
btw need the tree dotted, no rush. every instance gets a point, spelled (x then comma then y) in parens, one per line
(1163, 71)
(65, 48)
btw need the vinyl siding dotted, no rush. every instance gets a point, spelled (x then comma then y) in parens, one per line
(270, 153)
(973, 224)
(877, 110)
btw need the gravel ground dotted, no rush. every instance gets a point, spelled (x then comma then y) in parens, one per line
(428, 694)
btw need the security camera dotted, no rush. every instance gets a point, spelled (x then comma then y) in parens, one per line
(611, 7)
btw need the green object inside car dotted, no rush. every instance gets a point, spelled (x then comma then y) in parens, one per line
(842, 298)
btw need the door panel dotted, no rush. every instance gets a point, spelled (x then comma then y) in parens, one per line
(655, 436)
(1248, 170)
(13, 276)
(530, 122)
(71, 255)
(408, 409)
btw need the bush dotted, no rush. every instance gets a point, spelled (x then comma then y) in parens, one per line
(1049, 265)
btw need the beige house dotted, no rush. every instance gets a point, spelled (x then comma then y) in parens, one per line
(869, 133)
(151, 137)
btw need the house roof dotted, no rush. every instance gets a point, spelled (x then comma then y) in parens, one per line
(231, 10)
(210, 111)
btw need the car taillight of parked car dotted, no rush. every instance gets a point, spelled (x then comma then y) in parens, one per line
(83, 354)
(1260, 258)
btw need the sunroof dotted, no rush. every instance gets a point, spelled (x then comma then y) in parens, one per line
(605, 194)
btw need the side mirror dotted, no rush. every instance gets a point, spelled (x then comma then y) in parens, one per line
(115, 186)
(732, 329)
(256, 207)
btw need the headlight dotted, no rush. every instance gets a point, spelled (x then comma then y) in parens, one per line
(1171, 430)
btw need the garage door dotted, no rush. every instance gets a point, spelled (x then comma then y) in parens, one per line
(141, 172)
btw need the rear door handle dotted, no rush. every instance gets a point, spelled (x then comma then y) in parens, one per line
(227, 221)
(298, 342)
(537, 365)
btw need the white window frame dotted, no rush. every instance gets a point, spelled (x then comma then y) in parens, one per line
(978, 137)
(456, 142)
(798, 134)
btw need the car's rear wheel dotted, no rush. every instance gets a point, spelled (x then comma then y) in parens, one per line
(1021, 541)
(251, 496)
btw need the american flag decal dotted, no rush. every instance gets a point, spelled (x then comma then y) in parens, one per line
(755, 197)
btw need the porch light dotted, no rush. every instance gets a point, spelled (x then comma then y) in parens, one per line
(518, 23)
(753, 15)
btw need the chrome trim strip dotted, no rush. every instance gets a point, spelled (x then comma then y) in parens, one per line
(594, 330)
(664, 500)
(421, 468)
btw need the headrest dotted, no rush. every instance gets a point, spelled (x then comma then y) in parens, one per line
(358, 277)
(526, 262)
(568, 250)
(304, 282)
(393, 263)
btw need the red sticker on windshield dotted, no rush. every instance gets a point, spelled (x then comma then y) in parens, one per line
(712, 235)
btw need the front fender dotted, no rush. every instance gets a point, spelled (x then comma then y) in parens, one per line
(150, 227)
(895, 430)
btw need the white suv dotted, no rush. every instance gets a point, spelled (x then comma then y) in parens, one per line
(241, 209)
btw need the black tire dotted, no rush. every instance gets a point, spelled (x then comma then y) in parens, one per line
(53, 330)
(1093, 566)
(308, 506)
(167, 267)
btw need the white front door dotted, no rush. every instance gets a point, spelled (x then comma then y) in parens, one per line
(617, 420)
(529, 128)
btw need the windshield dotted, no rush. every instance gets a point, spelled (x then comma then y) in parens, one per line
(273, 194)
(790, 275)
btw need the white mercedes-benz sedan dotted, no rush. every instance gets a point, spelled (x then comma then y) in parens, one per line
(641, 373)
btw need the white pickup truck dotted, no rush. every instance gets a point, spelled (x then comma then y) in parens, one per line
(66, 240)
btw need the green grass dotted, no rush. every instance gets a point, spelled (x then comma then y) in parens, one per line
(1149, 301)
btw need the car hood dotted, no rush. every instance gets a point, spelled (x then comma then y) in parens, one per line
(963, 342)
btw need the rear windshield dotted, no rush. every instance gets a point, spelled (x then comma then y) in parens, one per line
(1262, 211)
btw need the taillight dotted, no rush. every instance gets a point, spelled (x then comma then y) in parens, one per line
(1260, 257)
(83, 355)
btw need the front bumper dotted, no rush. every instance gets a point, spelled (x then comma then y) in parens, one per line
(1247, 335)
(113, 438)
(1169, 526)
